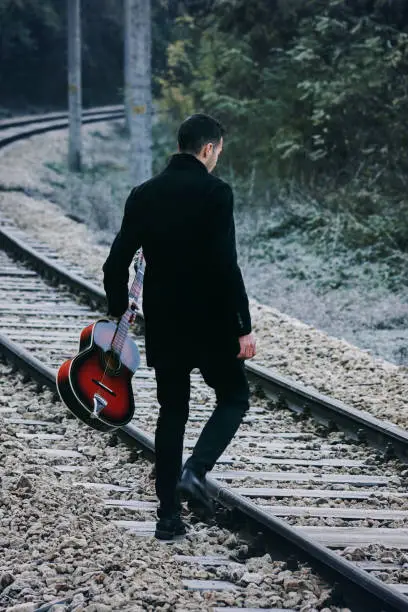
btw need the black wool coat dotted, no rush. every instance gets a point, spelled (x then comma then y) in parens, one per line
(194, 299)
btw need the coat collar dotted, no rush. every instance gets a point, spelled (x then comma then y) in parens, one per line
(187, 161)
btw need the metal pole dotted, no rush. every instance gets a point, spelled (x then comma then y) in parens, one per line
(74, 84)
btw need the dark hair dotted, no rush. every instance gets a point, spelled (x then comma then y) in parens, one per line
(198, 130)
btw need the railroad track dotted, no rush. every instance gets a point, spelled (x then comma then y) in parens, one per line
(327, 489)
(14, 129)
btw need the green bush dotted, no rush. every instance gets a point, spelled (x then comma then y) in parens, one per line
(314, 94)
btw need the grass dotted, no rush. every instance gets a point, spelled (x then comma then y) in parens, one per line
(96, 196)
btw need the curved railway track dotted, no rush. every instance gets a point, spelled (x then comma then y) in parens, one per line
(326, 489)
(12, 130)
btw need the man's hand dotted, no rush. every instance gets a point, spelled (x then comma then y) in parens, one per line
(247, 347)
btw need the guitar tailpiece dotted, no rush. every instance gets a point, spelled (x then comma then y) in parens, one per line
(99, 404)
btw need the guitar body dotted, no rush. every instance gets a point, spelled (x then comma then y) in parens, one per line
(96, 384)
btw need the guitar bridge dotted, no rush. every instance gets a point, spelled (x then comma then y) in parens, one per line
(99, 404)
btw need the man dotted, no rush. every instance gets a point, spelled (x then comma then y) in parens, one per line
(195, 307)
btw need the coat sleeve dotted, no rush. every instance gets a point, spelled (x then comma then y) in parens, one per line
(224, 253)
(123, 249)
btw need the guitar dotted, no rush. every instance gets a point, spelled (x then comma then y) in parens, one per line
(96, 383)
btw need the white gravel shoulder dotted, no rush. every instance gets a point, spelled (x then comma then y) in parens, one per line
(330, 365)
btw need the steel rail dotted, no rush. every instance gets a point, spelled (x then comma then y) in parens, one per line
(12, 122)
(361, 588)
(359, 424)
(48, 127)
(50, 269)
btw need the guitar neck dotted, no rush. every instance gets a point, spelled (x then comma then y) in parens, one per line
(129, 316)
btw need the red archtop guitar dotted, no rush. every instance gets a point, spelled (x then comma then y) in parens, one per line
(96, 384)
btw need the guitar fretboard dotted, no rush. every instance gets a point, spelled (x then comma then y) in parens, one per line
(129, 316)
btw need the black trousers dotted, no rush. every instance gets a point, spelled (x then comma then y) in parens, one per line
(228, 378)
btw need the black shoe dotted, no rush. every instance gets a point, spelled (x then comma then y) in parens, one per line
(167, 528)
(191, 486)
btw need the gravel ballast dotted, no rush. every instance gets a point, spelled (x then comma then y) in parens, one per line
(59, 543)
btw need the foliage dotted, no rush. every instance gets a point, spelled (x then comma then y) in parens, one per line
(315, 92)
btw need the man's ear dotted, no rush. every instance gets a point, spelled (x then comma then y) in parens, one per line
(207, 149)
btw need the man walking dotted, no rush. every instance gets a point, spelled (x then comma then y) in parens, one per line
(195, 307)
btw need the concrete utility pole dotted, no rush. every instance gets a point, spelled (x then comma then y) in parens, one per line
(139, 74)
(126, 61)
(74, 84)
